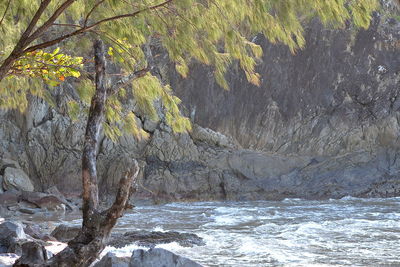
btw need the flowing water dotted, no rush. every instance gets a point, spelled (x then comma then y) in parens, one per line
(293, 232)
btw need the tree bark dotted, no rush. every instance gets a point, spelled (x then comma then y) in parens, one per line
(96, 225)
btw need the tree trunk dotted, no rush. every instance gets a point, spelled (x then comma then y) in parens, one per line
(96, 225)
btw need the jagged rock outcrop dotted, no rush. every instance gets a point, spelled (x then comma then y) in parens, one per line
(324, 123)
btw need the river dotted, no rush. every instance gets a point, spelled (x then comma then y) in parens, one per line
(293, 232)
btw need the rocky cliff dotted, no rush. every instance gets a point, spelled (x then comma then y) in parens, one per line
(324, 123)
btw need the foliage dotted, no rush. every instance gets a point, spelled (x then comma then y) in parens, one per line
(213, 32)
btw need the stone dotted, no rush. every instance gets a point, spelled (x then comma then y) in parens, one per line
(151, 239)
(32, 253)
(55, 192)
(111, 259)
(34, 231)
(65, 233)
(12, 229)
(45, 201)
(9, 198)
(11, 233)
(27, 210)
(16, 179)
(211, 137)
(157, 257)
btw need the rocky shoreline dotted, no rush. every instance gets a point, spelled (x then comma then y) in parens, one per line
(35, 243)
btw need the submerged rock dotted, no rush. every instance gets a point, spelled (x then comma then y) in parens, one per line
(151, 239)
(157, 257)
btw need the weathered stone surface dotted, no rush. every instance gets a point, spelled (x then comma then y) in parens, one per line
(9, 198)
(151, 239)
(33, 254)
(47, 201)
(10, 235)
(65, 233)
(113, 260)
(157, 257)
(16, 179)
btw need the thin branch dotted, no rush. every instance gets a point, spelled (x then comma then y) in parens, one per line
(131, 14)
(91, 11)
(67, 25)
(23, 40)
(126, 80)
(5, 12)
(50, 21)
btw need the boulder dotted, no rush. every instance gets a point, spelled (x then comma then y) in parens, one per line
(16, 179)
(44, 201)
(151, 239)
(65, 233)
(157, 257)
(32, 253)
(113, 260)
(55, 192)
(34, 231)
(11, 233)
(9, 198)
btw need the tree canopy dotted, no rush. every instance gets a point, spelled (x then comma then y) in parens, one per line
(44, 42)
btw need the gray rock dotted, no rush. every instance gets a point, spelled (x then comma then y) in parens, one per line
(113, 260)
(16, 179)
(46, 201)
(65, 233)
(33, 253)
(151, 239)
(9, 198)
(158, 257)
(11, 233)
(11, 229)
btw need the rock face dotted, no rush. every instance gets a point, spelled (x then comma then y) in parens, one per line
(325, 123)
(157, 257)
(337, 95)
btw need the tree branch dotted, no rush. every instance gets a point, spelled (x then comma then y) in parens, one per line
(126, 80)
(123, 195)
(90, 27)
(23, 40)
(91, 11)
(50, 21)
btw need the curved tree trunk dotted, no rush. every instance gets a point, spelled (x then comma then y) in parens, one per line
(96, 225)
